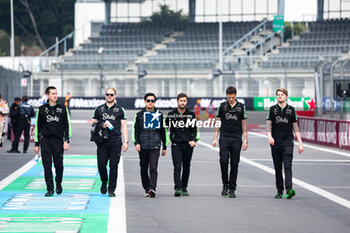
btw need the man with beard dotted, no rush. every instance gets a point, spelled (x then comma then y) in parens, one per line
(282, 120)
(112, 118)
(183, 136)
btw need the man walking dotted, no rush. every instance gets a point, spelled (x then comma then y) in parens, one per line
(26, 112)
(148, 133)
(281, 121)
(232, 115)
(52, 133)
(183, 136)
(112, 119)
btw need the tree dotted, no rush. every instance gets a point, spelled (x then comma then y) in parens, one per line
(166, 15)
(35, 26)
(38, 22)
(288, 30)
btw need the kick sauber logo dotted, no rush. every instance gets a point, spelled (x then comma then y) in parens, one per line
(151, 120)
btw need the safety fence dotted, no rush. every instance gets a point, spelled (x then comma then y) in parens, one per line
(10, 84)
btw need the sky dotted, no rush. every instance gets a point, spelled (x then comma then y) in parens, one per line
(294, 9)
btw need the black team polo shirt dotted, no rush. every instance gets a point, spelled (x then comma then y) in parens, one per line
(231, 119)
(282, 124)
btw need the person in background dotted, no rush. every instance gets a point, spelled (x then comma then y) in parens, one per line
(4, 110)
(197, 109)
(14, 113)
(26, 112)
(66, 101)
(210, 111)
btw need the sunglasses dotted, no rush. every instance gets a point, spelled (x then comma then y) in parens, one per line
(108, 94)
(150, 101)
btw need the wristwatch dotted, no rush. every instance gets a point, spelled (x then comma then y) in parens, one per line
(127, 142)
(246, 141)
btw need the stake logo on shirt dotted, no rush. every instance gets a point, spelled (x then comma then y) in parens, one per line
(229, 116)
(50, 118)
(106, 116)
(281, 119)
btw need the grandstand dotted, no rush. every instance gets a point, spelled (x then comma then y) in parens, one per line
(155, 47)
(328, 39)
(185, 56)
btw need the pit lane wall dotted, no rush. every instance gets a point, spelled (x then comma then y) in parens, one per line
(334, 133)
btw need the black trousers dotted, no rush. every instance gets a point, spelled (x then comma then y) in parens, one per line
(230, 151)
(22, 125)
(182, 155)
(283, 155)
(10, 127)
(52, 148)
(109, 151)
(149, 162)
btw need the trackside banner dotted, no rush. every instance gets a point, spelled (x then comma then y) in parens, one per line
(138, 103)
(305, 106)
(333, 133)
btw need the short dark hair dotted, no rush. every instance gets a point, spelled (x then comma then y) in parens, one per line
(231, 90)
(150, 94)
(47, 91)
(17, 99)
(24, 98)
(181, 95)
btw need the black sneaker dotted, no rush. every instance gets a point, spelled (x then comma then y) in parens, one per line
(178, 192)
(103, 188)
(224, 191)
(231, 193)
(279, 195)
(24, 152)
(185, 192)
(111, 194)
(58, 188)
(49, 194)
(290, 194)
(151, 193)
(13, 151)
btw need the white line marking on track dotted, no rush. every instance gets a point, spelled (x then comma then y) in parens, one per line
(347, 154)
(8, 180)
(117, 213)
(312, 188)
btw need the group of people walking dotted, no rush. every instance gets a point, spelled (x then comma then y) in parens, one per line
(151, 137)
(20, 114)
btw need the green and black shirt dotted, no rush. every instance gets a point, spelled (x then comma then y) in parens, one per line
(231, 119)
(282, 124)
(52, 122)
